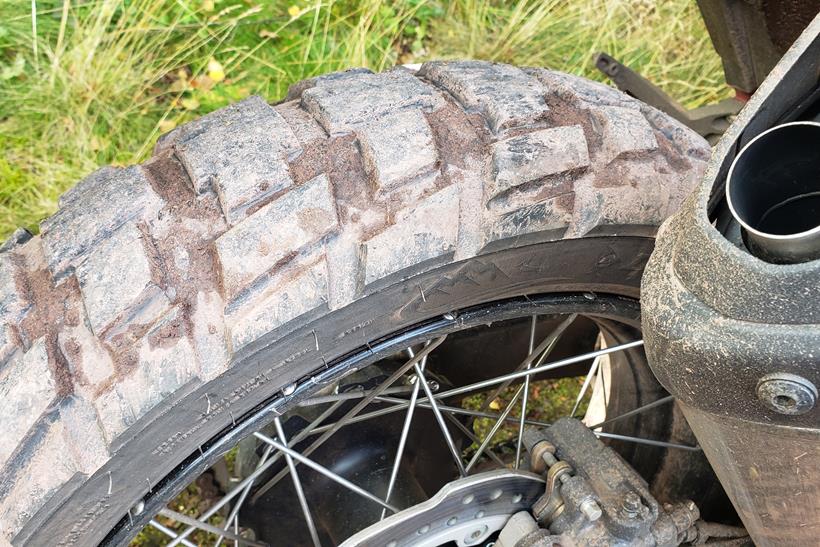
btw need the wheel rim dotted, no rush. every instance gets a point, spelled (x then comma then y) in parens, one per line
(422, 342)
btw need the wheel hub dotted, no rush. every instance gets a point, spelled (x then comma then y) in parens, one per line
(466, 511)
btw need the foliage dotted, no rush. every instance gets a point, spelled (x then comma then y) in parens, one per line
(90, 82)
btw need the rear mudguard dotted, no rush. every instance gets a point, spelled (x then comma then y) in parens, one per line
(717, 320)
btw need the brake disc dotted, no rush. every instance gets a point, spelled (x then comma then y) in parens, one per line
(466, 511)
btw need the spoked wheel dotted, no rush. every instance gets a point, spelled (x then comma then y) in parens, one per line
(424, 446)
(321, 261)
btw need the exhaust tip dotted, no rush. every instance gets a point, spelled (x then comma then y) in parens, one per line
(773, 191)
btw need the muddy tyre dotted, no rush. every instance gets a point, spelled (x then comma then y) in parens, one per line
(164, 302)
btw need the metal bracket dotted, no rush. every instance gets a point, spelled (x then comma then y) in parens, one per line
(710, 121)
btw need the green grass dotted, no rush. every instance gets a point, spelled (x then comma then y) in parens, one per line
(548, 400)
(100, 80)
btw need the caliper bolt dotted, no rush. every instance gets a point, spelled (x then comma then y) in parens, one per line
(541, 451)
(590, 509)
(631, 505)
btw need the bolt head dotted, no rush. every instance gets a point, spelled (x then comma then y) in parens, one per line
(631, 505)
(632, 501)
(591, 510)
(787, 393)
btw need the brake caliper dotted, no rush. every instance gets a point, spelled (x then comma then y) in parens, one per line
(592, 497)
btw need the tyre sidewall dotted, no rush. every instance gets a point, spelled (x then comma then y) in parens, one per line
(85, 511)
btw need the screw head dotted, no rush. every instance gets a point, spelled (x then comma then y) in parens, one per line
(787, 393)
(451, 315)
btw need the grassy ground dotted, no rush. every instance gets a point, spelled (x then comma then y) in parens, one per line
(90, 82)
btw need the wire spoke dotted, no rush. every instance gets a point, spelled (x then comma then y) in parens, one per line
(405, 430)
(537, 423)
(496, 426)
(470, 435)
(649, 442)
(218, 505)
(602, 379)
(401, 403)
(297, 485)
(207, 527)
(325, 471)
(424, 402)
(364, 417)
(244, 487)
(638, 410)
(535, 370)
(541, 353)
(233, 516)
(593, 369)
(350, 414)
(519, 442)
(168, 532)
(443, 426)
(349, 395)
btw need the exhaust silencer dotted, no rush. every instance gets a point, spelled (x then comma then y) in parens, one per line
(773, 191)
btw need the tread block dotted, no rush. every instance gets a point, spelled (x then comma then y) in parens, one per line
(304, 126)
(46, 473)
(18, 237)
(625, 131)
(551, 214)
(286, 299)
(397, 148)
(27, 389)
(89, 362)
(342, 104)
(209, 335)
(242, 185)
(296, 90)
(96, 207)
(686, 142)
(114, 411)
(83, 434)
(296, 219)
(505, 95)
(587, 93)
(532, 156)
(116, 278)
(8, 344)
(239, 151)
(68, 443)
(166, 362)
(656, 195)
(425, 232)
(13, 305)
(581, 89)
